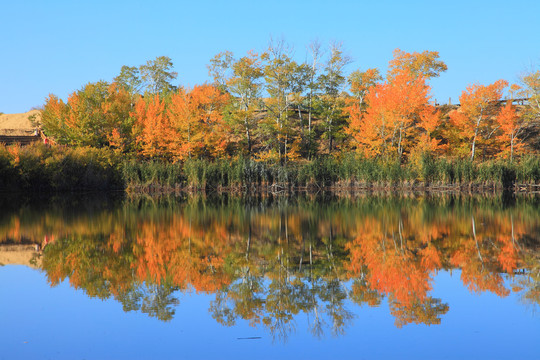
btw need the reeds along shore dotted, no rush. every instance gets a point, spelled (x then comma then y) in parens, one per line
(54, 169)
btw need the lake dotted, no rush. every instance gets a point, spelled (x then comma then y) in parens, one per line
(318, 277)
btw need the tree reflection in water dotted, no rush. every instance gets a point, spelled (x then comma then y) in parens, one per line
(268, 260)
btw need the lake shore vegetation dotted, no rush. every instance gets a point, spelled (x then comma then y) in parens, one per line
(267, 122)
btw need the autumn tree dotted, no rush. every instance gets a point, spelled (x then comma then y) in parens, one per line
(153, 77)
(242, 80)
(157, 75)
(278, 70)
(428, 122)
(474, 119)
(360, 82)
(129, 79)
(531, 83)
(184, 125)
(300, 82)
(89, 116)
(196, 125)
(153, 128)
(53, 118)
(220, 69)
(511, 126)
(393, 111)
(117, 112)
(313, 87)
(331, 102)
(206, 104)
(426, 64)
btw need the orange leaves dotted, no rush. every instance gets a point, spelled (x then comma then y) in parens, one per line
(154, 137)
(183, 125)
(429, 119)
(171, 250)
(507, 118)
(476, 99)
(428, 122)
(508, 256)
(511, 125)
(53, 116)
(54, 106)
(393, 109)
(473, 120)
(207, 103)
(190, 124)
(431, 257)
(73, 120)
(393, 270)
(115, 139)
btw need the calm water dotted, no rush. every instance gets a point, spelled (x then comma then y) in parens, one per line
(371, 277)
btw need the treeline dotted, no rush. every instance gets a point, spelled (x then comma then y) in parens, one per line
(271, 112)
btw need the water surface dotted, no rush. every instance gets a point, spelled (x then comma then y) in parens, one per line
(307, 277)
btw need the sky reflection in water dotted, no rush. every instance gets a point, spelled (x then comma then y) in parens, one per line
(196, 273)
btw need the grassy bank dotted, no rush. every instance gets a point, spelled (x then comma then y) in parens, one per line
(347, 173)
(52, 169)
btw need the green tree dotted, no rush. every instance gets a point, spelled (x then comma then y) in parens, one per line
(361, 81)
(531, 84)
(312, 84)
(129, 79)
(220, 69)
(331, 103)
(157, 75)
(278, 70)
(242, 79)
(89, 116)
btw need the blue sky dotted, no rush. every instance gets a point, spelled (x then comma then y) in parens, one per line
(58, 46)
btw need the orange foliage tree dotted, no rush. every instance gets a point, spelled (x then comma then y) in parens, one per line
(474, 120)
(360, 83)
(197, 122)
(207, 104)
(153, 128)
(184, 125)
(187, 124)
(427, 125)
(394, 110)
(511, 126)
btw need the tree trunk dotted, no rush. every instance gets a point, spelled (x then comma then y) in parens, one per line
(400, 150)
(248, 136)
(512, 148)
(475, 136)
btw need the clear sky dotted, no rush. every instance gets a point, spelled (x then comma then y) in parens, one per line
(58, 46)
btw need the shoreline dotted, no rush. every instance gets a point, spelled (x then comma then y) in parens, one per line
(337, 189)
